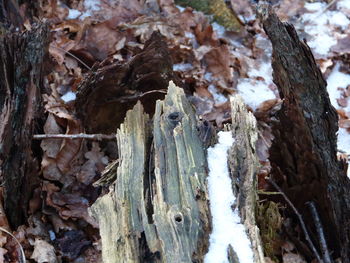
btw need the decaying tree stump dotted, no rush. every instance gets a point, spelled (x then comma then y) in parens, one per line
(20, 105)
(157, 210)
(157, 207)
(303, 154)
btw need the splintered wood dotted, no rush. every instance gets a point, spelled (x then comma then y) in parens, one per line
(157, 207)
(244, 164)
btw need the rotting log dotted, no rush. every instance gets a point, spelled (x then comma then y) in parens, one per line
(243, 163)
(157, 208)
(303, 153)
(21, 71)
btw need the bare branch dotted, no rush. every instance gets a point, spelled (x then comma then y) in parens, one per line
(96, 137)
(320, 232)
(302, 224)
(72, 55)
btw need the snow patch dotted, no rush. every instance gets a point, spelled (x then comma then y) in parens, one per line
(182, 67)
(218, 97)
(335, 81)
(90, 6)
(181, 9)
(73, 14)
(218, 29)
(344, 4)
(227, 226)
(69, 96)
(255, 89)
(343, 140)
(321, 25)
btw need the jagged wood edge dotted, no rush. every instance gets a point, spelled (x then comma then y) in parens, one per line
(244, 164)
(161, 216)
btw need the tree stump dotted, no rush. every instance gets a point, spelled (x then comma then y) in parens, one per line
(157, 207)
(303, 154)
(21, 66)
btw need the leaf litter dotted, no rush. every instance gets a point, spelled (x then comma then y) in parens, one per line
(211, 63)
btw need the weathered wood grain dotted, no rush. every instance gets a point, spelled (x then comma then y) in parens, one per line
(157, 207)
(243, 162)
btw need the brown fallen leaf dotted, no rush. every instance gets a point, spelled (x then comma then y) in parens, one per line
(218, 62)
(43, 252)
(95, 164)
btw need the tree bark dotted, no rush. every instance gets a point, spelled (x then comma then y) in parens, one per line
(303, 154)
(21, 64)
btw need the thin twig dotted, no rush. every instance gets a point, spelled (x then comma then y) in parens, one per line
(96, 137)
(72, 55)
(303, 226)
(320, 232)
(132, 97)
(23, 256)
(325, 9)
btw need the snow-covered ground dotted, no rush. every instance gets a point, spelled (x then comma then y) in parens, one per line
(89, 5)
(324, 26)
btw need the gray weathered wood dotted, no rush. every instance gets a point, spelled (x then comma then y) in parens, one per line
(244, 164)
(157, 207)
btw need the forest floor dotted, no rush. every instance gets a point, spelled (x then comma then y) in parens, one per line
(211, 62)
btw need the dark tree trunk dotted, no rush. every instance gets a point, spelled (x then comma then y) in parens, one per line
(21, 62)
(304, 151)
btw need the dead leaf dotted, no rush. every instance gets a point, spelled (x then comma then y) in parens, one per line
(70, 149)
(2, 255)
(95, 164)
(43, 252)
(293, 258)
(72, 243)
(218, 62)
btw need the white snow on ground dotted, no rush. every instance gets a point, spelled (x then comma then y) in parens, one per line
(324, 26)
(343, 140)
(217, 95)
(73, 14)
(227, 227)
(335, 81)
(255, 91)
(218, 29)
(344, 143)
(69, 96)
(90, 6)
(344, 4)
(182, 67)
